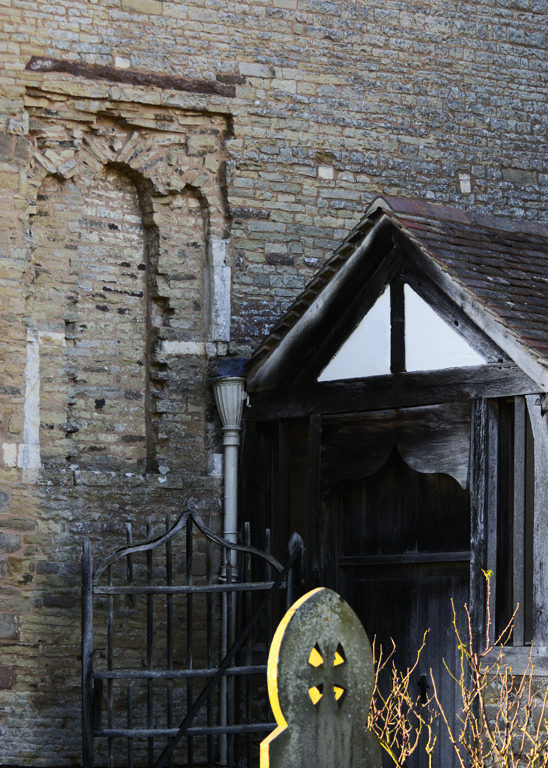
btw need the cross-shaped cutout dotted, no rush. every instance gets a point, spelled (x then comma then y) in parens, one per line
(316, 659)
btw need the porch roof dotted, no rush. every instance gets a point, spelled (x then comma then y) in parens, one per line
(495, 269)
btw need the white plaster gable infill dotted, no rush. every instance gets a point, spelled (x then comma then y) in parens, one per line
(366, 352)
(430, 342)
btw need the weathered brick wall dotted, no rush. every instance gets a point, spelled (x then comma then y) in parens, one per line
(154, 155)
(110, 417)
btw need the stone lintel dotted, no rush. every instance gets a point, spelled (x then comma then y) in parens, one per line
(129, 77)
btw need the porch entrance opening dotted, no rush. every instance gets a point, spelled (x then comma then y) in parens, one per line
(403, 560)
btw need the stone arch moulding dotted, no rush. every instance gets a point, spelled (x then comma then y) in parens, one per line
(175, 160)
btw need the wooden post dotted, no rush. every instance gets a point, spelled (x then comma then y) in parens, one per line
(478, 504)
(518, 543)
(540, 536)
(314, 575)
(491, 460)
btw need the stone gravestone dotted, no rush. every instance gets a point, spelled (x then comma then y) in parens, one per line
(320, 683)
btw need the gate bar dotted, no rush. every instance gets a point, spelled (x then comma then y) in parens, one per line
(87, 654)
(296, 547)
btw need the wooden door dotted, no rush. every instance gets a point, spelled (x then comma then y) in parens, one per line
(403, 554)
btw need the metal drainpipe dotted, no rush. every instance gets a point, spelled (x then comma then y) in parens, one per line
(229, 397)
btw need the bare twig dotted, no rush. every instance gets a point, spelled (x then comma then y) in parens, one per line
(398, 718)
(502, 722)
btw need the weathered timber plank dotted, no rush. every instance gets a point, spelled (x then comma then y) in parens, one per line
(281, 487)
(314, 469)
(518, 578)
(334, 325)
(403, 390)
(539, 426)
(340, 307)
(397, 326)
(478, 515)
(491, 464)
(406, 558)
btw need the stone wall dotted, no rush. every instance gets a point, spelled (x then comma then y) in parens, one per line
(171, 175)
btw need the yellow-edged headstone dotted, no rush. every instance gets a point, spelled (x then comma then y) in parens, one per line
(320, 683)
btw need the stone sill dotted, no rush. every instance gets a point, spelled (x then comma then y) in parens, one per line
(520, 659)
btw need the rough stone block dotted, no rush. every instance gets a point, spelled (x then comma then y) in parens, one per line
(9, 542)
(60, 601)
(520, 176)
(252, 69)
(142, 6)
(6, 677)
(9, 628)
(177, 10)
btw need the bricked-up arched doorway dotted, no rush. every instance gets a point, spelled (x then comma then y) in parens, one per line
(118, 278)
(395, 422)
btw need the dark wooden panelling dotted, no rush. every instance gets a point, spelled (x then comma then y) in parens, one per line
(403, 539)
(399, 511)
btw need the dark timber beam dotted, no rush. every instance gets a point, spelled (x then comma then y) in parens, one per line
(402, 390)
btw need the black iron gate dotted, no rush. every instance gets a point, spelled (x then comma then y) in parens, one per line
(175, 639)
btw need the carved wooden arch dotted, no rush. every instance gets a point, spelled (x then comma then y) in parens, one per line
(431, 439)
